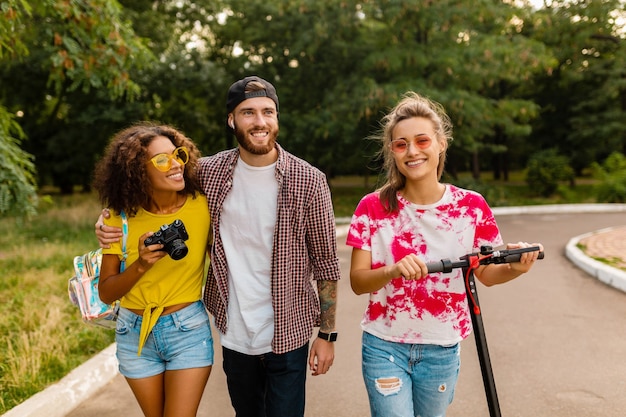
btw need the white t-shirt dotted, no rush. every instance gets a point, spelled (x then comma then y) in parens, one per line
(431, 310)
(247, 229)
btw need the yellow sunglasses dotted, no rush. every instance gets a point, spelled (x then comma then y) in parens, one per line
(163, 161)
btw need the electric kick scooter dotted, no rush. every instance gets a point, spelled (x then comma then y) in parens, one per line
(469, 263)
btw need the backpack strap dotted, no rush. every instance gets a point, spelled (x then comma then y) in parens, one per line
(124, 238)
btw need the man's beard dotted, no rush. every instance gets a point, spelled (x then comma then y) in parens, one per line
(248, 145)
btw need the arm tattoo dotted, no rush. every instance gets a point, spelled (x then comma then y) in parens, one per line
(328, 304)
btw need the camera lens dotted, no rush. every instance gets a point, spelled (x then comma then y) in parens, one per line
(177, 250)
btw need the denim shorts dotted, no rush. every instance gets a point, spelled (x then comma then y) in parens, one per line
(180, 340)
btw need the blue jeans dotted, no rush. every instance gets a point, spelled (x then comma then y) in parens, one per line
(409, 379)
(267, 385)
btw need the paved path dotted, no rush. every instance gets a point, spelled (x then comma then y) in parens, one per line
(555, 336)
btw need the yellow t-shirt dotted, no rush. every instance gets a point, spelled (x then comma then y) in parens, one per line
(168, 282)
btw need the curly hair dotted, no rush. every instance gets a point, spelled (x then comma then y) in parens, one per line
(121, 178)
(411, 105)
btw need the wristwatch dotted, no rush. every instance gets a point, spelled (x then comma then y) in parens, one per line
(331, 337)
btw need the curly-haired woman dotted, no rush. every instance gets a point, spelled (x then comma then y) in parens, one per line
(163, 335)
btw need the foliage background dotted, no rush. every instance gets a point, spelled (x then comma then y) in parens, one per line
(516, 79)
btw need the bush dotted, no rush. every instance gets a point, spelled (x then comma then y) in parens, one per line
(545, 170)
(611, 187)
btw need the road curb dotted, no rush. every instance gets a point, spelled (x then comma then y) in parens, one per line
(614, 277)
(61, 398)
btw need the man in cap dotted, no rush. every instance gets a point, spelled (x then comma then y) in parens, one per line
(274, 232)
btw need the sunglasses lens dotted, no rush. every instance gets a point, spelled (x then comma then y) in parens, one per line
(162, 162)
(423, 142)
(398, 145)
(181, 155)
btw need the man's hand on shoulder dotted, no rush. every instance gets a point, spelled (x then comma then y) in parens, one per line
(106, 234)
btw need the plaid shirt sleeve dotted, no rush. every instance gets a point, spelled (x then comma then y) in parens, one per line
(321, 235)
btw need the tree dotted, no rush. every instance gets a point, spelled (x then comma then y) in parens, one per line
(18, 194)
(184, 87)
(17, 183)
(340, 65)
(478, 65)
(583, 99)
(311, 50)
(96, 66)
(60, 50)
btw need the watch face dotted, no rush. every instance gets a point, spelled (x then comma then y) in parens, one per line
(331, 337)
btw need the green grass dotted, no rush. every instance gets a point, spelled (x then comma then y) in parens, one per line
(41, 335)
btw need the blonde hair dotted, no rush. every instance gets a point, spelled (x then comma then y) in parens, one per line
(411, 105)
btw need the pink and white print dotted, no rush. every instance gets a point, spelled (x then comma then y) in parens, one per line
(432, 310)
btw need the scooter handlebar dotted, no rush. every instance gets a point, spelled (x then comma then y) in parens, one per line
(444, 265)
(503, 256)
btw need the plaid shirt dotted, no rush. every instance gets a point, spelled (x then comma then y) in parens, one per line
(304, 245)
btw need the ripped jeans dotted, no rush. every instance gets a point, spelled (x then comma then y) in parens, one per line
(405, 380)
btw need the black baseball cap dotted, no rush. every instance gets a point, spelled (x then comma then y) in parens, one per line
(237, 92)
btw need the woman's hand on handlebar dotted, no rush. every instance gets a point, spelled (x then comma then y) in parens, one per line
(527, 259)
(410, 267)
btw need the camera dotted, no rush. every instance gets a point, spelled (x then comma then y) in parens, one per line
(172, 237)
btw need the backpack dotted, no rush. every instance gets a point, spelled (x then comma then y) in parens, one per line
(83, 286)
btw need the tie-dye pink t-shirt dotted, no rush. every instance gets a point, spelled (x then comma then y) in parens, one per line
(432, 310)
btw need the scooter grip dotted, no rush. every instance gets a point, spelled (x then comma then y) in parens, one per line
(444, 265)
(516, 257)
(435, 266)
